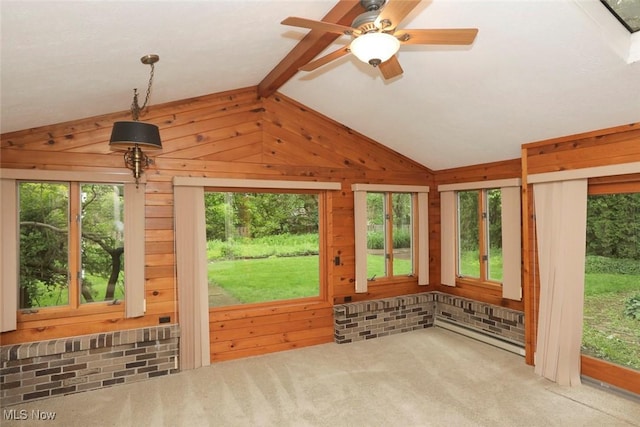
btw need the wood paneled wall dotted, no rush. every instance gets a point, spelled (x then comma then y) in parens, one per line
(234, 135)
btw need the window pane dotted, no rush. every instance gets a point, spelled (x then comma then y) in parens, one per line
(44, 243)
(494, 235)
(262, 247)
(376, 232)
(102, 242)
(402, 234)
(468, 234)
(611, 327)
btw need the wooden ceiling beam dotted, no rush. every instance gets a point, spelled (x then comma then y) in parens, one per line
(343, 13)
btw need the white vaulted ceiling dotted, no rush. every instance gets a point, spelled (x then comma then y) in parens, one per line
(537, 69)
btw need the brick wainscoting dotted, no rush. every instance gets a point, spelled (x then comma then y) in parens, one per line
(372, 319)
(42, 369)
(491, 320)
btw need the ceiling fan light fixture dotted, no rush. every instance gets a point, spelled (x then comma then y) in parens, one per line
(374, 48)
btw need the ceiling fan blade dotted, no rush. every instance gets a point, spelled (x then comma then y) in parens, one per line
(318, 25)
(394, 11)
(460, 36)
(390, 68)
(325, 59)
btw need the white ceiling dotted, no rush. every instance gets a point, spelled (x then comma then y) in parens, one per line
(538, 69)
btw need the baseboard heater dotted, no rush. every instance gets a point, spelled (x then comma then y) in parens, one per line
(505, 345)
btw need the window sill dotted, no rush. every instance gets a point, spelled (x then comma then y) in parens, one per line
(480, 284)
(66, 311)
(392, 280)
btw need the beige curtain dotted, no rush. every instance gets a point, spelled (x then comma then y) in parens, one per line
(360, 217)
(9, 255)
(560, 209)
(191, 261)
(511, 243)
(134, 241)
(423, 238)
(448, 220)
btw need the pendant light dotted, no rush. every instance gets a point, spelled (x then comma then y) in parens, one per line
(133, 135)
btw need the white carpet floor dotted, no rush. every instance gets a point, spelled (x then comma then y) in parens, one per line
(431, 377)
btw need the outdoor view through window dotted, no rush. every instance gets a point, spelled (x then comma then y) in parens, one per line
(480, 235)
(71, 243)
(389, 235)
(262, 247)
(611, 328)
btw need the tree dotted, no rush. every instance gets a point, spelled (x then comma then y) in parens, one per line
(259, 214)
(613, 225)
(44, 241)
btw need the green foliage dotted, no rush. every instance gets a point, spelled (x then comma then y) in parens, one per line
(632, 307)
(608, 265)
(468, 225)
(494, 206)
(44, 241)
(233, 215)
(401, 239)
(469, 222)
(375, 209)
(263, 247)
(613, 225)
(375, 240)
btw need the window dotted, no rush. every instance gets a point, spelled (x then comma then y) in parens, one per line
(262, 246)
(71, 243)
(480, 226)
(65, 247)
(192, 258)
(391, 235)
(612, 279)
(479, 237)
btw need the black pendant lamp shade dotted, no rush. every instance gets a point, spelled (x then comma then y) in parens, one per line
(127, 134)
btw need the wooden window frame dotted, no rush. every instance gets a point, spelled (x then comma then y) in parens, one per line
(74, 263)
(134, 304)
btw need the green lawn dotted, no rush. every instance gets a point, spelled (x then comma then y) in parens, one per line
(375, 265)
(608, 333)
(264, 279)
(470, 265)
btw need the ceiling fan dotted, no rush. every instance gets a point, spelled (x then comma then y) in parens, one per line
(375, 37)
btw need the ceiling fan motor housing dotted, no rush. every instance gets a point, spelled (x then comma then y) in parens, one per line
(365, 22)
